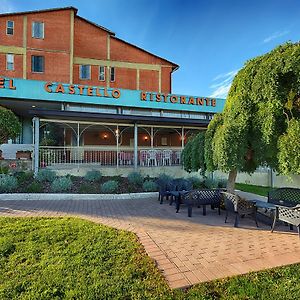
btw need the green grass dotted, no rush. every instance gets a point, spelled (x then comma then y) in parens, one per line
(69, 258)
(255, 189)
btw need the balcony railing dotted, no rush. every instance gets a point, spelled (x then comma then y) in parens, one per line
(122, 157)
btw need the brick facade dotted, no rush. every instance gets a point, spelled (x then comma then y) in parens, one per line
(70, 41)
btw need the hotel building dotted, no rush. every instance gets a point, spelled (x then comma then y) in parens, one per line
(88, 99)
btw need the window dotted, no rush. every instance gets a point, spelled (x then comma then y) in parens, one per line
(37, 64)
(102, 73)
(9, 62)
(85, 72)
(112, 74)
(10, 27)
(38, 30)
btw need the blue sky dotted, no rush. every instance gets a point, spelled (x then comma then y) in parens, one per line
(210, 40)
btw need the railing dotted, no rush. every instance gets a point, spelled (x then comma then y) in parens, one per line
(105, 156)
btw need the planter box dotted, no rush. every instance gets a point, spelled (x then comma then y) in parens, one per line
(23, 155)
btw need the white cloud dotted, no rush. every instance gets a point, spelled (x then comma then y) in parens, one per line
(6, 7)
(275, 35)
(222, 84)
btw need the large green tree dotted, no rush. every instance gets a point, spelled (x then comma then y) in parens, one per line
(10, 126)
(260, 124)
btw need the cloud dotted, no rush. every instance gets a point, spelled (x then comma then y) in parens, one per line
(6, 7)
(275, 35)
(222, 84)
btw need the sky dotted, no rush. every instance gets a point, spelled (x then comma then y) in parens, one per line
(209, 39)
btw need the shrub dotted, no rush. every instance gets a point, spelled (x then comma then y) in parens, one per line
(86, 188)
(4, 169)
(8, 183)
(93, 175)
(34, 187)
(149, 186)
(61, 184)
(109, 187)
(197, 182)
(24, 176)
(45, 175)
(211, 183)
(164, 178)
(135, 178)
(222, 183)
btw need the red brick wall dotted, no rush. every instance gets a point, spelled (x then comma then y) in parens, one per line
(56, 66)
(124, 79)
(17, 38)
(18, 66)
(57, 30)
(149, 80)
(89, 41)
(166, 73)
(94, 76)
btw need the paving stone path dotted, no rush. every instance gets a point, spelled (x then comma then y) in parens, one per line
(186, 250)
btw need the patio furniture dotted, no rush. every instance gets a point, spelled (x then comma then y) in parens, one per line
(151, 158)
(202, 198)
(290, 215)
(167, 157)
(182, 186)
(165, 189)
(288, 198)
(239, 207)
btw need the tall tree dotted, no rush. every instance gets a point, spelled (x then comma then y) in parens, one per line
(260, 124)
(10, 126)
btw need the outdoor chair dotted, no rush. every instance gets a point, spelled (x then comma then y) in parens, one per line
(290, 215)
(165, 188)
(239, 207)
(180, 187)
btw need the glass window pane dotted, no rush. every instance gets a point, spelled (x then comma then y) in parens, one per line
(38, 30)
(85, 72)
(9, 62)
(10, 27)
(101, 73)
(112, 74)
(37, 64)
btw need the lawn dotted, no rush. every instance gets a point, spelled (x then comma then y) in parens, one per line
(69, 258)
(255, 189)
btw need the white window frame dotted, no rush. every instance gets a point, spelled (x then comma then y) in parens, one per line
(39, 72)
(112, 73)
(43, 30)
(80, 72)
(10, 61)
(13, 27)
(101, 73)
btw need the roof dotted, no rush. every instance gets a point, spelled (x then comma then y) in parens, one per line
(40, 11)
(94, 24)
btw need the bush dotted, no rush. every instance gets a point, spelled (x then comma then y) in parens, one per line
(93, 175)
(211, 183)
(4, 169)
(197, 182)
(222, 183)
(164, 178)
(8, 183)
(86, 188)
(34, 187)
(45, 175)
(135, 178)
(61, 184)
(24, 176)
(149, 186)
(109, 187)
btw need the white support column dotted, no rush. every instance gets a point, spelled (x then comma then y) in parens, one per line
(152, 137)
(78, 144)
(36, 127)
(117, 139)
(135, 146)
(182, 137)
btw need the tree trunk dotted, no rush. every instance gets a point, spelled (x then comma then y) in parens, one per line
(231, 180)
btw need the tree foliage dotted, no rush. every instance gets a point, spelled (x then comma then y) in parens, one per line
(10, 126)
(260, 121)
(193, 154)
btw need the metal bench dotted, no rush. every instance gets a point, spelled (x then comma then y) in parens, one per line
(202, 198)
(287, 202)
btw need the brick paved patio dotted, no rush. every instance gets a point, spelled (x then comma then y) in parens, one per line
(186, 250)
